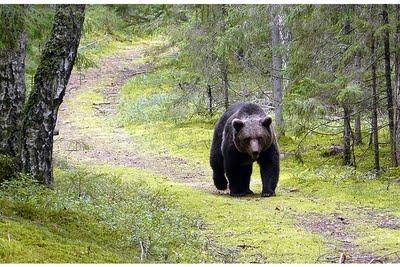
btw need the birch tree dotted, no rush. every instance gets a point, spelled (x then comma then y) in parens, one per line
(50, 81)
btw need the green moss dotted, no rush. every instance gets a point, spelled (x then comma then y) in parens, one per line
(30, 234)
(95, 217)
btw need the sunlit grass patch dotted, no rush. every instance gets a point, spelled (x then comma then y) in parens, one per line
(254, 229)
(190, 141)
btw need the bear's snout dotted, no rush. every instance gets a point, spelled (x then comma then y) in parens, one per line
(255, 149)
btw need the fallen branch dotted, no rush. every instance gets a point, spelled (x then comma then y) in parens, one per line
(102, 103)
(143, 251)
(93, 43)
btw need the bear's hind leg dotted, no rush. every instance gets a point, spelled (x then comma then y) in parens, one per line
(217, 165)
(220, 181)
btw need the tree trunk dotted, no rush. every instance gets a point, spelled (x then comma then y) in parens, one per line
(210, 100)
(357, 120)
(389, 94)
(346, 136)
(397, 66)
(346, 120)
(12, 90)
(374, 106)
(224, 63)
(51, 79)
(276, 69)
(224, 72)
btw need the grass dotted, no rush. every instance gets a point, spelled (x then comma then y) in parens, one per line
(93, 216)
(270, 226)
(247, 216)
(31, 232)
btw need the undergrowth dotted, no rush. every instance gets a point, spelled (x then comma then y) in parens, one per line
(93, 217)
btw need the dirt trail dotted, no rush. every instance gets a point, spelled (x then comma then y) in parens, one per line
(106, 141)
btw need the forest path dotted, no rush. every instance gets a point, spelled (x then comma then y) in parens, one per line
(280, 229)
(101, 137)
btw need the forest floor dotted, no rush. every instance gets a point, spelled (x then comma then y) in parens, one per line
(308, 221)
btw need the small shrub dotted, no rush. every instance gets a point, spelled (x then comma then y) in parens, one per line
(6, 167)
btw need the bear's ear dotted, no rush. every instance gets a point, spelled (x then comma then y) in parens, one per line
(266, 122)
(237, 124)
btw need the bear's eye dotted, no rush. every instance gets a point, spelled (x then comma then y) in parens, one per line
(259, 139)
(247, 140)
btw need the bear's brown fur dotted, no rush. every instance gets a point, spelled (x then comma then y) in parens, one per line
(243, 135)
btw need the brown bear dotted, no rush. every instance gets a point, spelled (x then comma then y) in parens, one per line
(243, 135)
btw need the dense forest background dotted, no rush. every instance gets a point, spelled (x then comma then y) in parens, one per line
(329, 75)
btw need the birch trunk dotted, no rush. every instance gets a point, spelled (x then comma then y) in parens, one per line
(50, 81)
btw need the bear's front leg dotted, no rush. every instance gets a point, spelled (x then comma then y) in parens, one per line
(269, 168)
(239, 180)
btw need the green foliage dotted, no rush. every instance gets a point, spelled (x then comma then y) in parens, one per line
(12, 24)
(144, 20)
(40, 21)
(110, 216)
(164, 110)
(350, 94)
(305, 87)
(101, 20)
(207, 46)
(83, 62)
(162, 93)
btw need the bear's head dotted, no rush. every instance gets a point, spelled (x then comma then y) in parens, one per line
(252, 135)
